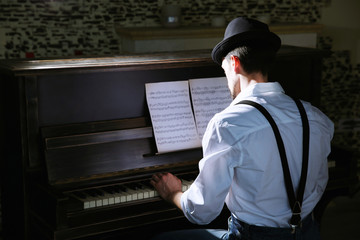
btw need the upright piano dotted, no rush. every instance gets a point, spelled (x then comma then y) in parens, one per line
(79, 151)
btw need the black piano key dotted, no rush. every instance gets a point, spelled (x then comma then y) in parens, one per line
(188, 177)
(142, 186)
(80, 195)
(147, 184)
(99, 192)
(132, 186)
(91, 192)
(118, 189)
(109, 189)
(123, 188)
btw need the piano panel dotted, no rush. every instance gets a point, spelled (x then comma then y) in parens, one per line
(87, 97)
(89, 155)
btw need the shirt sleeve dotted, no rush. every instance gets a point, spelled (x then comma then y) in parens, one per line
(204, 200)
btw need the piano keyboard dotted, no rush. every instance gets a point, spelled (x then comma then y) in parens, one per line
(117, 194)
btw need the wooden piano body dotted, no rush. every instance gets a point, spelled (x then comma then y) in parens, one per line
(75, 127)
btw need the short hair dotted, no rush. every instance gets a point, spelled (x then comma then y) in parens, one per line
(255, 56)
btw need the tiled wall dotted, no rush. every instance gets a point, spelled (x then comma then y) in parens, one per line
(52, 28)
(341, 98)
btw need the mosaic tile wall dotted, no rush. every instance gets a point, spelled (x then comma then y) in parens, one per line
(51, 28)
(340, 96)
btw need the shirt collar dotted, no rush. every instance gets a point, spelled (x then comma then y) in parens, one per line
(258, 89)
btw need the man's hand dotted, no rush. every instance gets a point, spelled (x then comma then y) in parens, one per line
(168, 186)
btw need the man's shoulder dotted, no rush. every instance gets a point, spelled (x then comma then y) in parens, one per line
(235, 116)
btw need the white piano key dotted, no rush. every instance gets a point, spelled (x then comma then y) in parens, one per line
(117, 198)
(111, 200)
(107, 198)
(133, 194)
(92, 203)
(105, 201)
(331, 164)
(89, 202)
(140, 194)
(143, 191)
(86, 205)
(147, 191)
(186, 184)
(134, 191)
(109, 193)
(98, 202)
(123, 197)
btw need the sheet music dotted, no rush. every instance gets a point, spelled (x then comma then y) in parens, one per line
(209, 96)
(171, 115)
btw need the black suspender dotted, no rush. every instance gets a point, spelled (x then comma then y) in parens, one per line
(294, 201)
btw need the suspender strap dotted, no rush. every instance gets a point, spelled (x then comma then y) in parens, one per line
(305, 158)
(294, 201)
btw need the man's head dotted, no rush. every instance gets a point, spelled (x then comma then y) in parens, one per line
(246, 52)
(252, 41)
(255, 57)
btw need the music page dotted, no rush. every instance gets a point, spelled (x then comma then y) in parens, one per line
(209, 96)
(171, 116)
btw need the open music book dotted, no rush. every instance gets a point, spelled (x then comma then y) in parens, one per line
(179, 116)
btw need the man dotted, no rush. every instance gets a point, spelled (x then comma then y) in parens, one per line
(241, 165)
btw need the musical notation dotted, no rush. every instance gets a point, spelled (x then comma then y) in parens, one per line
(171, 115)
(175, 125)
(209, 96)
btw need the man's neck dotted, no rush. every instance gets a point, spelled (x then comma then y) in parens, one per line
(251, 79)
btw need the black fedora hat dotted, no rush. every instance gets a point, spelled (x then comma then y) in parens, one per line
(240, 31)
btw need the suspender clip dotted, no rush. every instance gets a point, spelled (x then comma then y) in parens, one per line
(295, 220)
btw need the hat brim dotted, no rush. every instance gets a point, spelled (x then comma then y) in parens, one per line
(229, 44)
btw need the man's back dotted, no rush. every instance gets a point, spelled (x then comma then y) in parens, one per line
(257, 191)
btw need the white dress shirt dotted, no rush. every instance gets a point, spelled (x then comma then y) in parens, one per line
(241, 165)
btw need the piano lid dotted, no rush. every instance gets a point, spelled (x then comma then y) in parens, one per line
(21, 67)
(114, 63)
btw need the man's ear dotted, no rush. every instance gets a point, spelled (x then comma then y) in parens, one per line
(235, 64)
